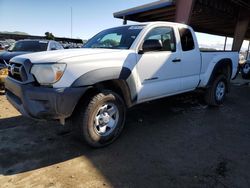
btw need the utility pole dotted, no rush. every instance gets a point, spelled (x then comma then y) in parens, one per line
(71, 20)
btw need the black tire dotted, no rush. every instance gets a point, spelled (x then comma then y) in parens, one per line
(214, 97)
(86, 118)
(245, 71)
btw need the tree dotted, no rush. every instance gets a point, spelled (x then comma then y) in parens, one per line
(49, 36)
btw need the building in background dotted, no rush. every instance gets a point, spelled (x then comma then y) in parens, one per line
(229, 18)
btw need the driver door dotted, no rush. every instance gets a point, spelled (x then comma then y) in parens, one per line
(159, 71)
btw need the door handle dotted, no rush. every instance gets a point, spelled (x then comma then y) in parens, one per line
(176, 60)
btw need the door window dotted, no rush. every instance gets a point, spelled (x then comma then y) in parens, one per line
(165, 35)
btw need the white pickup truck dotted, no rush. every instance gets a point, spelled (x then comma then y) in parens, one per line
(117, 68)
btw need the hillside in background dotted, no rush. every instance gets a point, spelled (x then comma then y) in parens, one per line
(14, 32)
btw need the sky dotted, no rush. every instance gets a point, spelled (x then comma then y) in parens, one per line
(89, 17)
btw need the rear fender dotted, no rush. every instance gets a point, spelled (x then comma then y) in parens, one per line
(214, 69)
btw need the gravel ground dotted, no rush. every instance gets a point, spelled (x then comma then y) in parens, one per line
(175, 142)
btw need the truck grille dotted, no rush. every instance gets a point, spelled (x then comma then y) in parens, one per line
(17, 71)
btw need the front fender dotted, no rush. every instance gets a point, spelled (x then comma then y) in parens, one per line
(109, 74)
(103, 74)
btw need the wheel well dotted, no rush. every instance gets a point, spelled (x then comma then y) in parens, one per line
(222, 67)
(225, 69)
(118, 86)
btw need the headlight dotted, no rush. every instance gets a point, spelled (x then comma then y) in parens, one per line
(47, 74)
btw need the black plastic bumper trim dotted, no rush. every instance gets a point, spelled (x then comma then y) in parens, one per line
(43, 103)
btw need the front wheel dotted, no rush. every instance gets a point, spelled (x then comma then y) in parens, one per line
(101, 120)
(215, 95)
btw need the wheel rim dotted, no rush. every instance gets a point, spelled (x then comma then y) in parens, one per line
(220, 90)
(246, 68)
(106, 119)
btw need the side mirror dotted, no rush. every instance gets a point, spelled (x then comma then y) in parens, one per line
(53, 48)
(151, 45)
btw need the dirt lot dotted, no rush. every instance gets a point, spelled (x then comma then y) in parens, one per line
(175, 142)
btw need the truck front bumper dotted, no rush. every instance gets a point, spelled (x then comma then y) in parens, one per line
(42, 102)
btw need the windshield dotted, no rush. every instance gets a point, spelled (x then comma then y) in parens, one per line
(115, 38)
(29, 46)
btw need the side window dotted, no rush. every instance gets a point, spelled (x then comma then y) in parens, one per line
(187, 41)
(58, 46)
(165, 35)
(52, 46)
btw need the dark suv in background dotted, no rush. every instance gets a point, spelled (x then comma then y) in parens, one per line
(23, 47)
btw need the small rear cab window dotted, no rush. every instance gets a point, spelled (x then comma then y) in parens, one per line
(187, 41)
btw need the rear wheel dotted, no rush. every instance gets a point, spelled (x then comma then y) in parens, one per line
(215, 95)
(101, 120)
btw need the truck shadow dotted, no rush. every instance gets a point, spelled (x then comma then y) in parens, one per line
(28, 145)
(162, 140)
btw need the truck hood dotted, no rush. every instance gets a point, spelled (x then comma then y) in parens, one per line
(59, 55)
